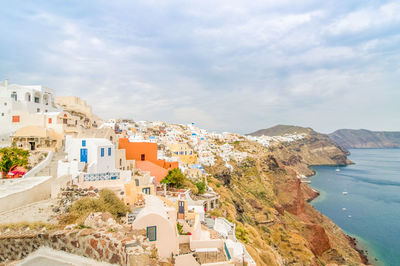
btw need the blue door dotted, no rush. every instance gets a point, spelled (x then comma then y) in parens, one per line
(84, 155)
(146, 190)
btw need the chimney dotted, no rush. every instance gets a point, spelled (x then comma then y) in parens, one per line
(6, 83)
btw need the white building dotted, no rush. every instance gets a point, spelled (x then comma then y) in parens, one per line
(21, 106)
(97, 153)
(91, 162)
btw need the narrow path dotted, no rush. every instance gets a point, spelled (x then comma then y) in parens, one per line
(41, 211)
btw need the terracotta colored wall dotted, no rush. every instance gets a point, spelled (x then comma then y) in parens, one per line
(134, 150)
(157, 171)
(171, 165)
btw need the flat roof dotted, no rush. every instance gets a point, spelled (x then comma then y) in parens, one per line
(45, 256)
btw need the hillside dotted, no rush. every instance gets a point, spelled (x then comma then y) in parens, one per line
(312, 148)
(363, 138)
(280, 130)
(269, 204)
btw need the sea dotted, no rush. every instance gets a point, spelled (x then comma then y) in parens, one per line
(364, 200)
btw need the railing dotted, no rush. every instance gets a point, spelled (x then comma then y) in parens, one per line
(40, 166)
(227, 252)
(101, 176)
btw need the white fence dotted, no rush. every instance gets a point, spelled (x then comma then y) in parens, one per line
(101, 176)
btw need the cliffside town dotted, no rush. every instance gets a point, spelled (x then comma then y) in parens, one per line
(132, 192)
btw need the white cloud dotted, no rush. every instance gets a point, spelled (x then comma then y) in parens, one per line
(230, 65)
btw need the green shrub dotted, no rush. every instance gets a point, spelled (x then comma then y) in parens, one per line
(107, 202)
(180, 228)
(12, 156)
(201, 186)
(174, 178)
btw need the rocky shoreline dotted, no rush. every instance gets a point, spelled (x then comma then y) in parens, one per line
(352, 240)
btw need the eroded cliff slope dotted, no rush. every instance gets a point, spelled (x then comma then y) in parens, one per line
(267, 200)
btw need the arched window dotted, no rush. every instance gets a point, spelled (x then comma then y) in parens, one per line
(14, 95)
(27, 97)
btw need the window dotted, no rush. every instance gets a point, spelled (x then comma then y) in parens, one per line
(120, 162)
(14, 96)
(2, 114)
(102, 152)
(50, 120)
(83, 143)
(185, 152)
(109, 151)
(15, 119)
(176, 153)
(5, 104)
(38, 110)
(137, 182)
(142, 157)
(36, 100)
(151, 232)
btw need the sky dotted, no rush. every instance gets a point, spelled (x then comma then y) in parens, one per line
(226, 65)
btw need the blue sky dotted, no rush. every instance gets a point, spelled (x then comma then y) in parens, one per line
(226, 65)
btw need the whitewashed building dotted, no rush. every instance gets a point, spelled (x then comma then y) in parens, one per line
(22, 106)
(97, 153)
(91, 162)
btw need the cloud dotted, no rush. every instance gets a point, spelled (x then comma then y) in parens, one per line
(229, 66)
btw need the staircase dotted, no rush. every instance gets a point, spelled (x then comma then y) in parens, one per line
(209, 222)
(51, 168)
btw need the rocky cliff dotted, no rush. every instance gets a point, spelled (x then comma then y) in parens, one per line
(265, 198)
(313, 149)
(363, 138)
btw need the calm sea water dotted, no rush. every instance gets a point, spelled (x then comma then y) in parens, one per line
(372, 203)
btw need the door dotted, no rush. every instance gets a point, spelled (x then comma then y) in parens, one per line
(84, 155)
(146, 190)
(143, 157)
(181, 210)
(32, 145)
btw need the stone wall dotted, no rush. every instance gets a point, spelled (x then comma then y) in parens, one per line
(101, 245)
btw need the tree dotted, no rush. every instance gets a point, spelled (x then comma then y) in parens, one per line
(12, 156)
(201, 186)
(175, 178)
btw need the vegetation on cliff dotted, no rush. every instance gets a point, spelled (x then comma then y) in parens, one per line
(108, 201)
(264, 198)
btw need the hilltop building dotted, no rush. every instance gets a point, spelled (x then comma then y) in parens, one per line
(185, 154)
(22, 106)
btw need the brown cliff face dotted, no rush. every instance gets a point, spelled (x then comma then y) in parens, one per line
(318, 239)
(269, 204)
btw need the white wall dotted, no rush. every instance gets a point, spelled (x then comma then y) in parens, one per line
(96, 163)
(40, 191)
(10, 107)
(167, 237)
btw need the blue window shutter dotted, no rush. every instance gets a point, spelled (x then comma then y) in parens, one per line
(83, 143)
(102, 152)
(151, 233)
(109, 151)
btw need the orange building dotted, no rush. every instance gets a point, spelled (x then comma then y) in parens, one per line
(145, 156)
